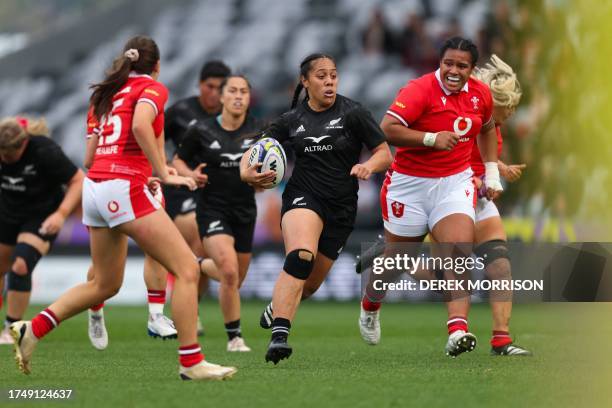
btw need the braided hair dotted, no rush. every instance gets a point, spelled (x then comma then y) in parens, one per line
(461, 44)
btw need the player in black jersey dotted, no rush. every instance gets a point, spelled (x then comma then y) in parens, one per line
(327, 132)
(226, 207)
(33, 206)
(180, 202)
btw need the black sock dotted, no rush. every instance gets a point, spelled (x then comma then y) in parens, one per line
(9, 320)
(280, 328)
(233, 329)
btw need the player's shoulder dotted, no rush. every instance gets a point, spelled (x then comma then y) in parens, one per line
(346, 102)
(293, 114)
(42, 144)
(423, 85)
(147, 85)
(477, 86)
(184, 104)
(155, 88)
(424, 82)
(203, 125)
(349, 106)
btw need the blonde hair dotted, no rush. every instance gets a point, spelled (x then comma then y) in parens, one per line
(501, 79)
(14, 130)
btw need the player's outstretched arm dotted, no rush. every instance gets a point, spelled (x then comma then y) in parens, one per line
(511, 172)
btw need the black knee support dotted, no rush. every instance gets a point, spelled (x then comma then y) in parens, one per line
(31, 256)
(299, 263)
(492, 250)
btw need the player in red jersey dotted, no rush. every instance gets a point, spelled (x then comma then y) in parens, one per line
(434, 122)
(490, 237)
(155, 275)
(117, 204)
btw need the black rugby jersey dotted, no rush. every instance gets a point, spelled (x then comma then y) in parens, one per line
(180, 115)
(327, 145)
(33, 186)
(207, 142)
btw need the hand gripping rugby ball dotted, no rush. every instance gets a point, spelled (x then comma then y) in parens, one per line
(272, 156)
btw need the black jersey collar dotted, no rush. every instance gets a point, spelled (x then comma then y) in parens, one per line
(331, 108)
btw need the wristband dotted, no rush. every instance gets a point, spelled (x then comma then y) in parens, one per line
(492, 176)
(430, 139)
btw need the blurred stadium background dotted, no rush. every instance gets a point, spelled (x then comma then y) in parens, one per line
(51, 51)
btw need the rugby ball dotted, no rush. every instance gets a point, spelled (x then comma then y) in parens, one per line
(271, 155)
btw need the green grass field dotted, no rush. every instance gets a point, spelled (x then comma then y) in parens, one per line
(331, 366)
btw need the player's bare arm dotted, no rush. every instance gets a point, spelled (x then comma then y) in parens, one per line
(401, 136)
(379, 161)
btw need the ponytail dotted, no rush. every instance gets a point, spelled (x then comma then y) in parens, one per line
(36, 127)
(296, 94)
(103, 92)
(140, 55)
(501, 79)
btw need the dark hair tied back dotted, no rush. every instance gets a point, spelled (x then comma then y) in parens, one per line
(305, 67)
(140, 54)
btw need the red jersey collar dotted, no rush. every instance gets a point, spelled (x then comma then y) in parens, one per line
(134, 74)
(446, 91)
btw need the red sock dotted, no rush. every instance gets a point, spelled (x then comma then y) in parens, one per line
(457, 323)
(370, 306)
(190, 355)
(157, 296)
(43, 323)
(500, 338)
(97, 307)
(0, 301)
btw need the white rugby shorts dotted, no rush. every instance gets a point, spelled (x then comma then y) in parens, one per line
(485, 209)
(412, 206)
(108, 203)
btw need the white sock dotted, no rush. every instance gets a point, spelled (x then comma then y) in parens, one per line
(97, 313)
(156, 308)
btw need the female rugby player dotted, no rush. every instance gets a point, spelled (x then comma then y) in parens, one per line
(33, 206)
(327, 132)
(117, 204)
(434, 121)
(226, 209)
(489, 237)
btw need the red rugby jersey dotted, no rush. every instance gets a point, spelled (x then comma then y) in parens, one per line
(425, 104)
(118, 154)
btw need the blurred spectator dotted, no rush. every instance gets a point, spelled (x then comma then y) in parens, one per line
(497, 32)
(377, 39)
(452, 30)
(416, 48)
